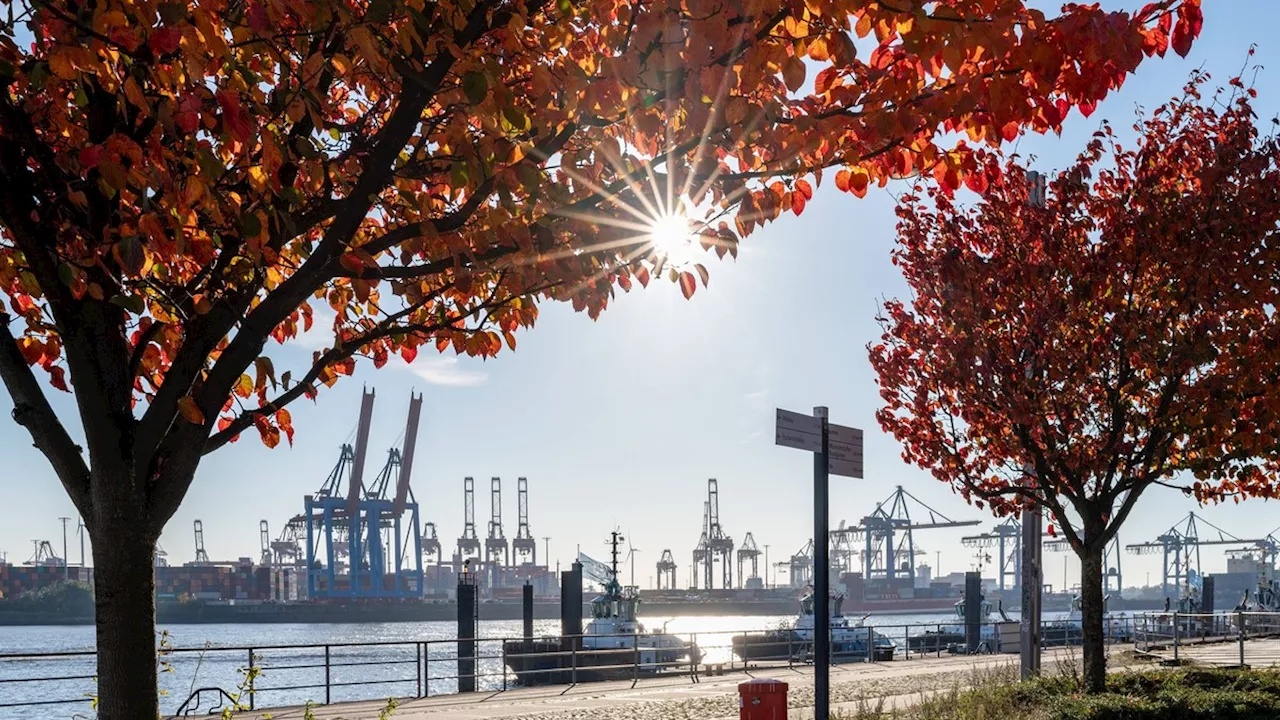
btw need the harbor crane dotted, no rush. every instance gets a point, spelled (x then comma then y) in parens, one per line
(431, 543)
(374, 525)
(1007, 539)
(497, 551)
(287, 549)
(202, 557)
(667, 571)
(264, 539)
(842, 552)
(43, 555)
(524, 546)
(468, 543)
(714, 545)
(889, 535)
(800, 567)
(1180, 545)
(748, 553)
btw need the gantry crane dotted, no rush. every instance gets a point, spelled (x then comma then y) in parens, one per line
(1180, 546)
(842, 552)
(1007, 538)
(524, 546)
(748, 553)
(714, 544)
(264, 539)
(667, 571)
(800, 566)
(431, 544)
(497, 551)
(376, 525)
(889, 535)
(468, 543)
(202, 557)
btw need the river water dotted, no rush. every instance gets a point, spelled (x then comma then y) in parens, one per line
(216, 655)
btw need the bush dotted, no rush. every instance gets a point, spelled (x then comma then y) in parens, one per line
(1191, 694)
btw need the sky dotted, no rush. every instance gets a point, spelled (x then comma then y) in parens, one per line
(621, 421)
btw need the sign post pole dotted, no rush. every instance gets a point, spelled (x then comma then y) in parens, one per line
(837, 450)
(821, 577)
(1032, 581)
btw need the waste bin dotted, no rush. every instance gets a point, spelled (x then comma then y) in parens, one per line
(762, 699)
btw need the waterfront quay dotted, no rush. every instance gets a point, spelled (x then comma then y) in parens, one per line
(708, 697)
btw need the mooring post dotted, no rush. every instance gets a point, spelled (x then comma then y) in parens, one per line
(972, 611)
(527, 600)
(466, 633)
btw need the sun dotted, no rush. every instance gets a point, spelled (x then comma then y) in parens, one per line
(671, 236)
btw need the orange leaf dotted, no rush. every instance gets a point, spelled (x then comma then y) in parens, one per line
(793, 73)
(190, 411)
(805, 188)
(842, 181)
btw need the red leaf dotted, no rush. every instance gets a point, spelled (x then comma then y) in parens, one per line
(976, 181)
(57, 378)
(1190, 20)
(90, 157)
(805, 188)
(642, 274)
(1052, 531)
(797, 202)
(409, 352)
(688, 285)
(188, 115)
(858, 183)
(165, 40)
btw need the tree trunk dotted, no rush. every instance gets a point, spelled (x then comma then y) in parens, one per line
(124, 600)
(1091, 612)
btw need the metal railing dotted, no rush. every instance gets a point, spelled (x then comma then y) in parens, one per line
(1228, 639)
(199, 679)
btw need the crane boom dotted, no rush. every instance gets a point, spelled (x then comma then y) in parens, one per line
(406, 455)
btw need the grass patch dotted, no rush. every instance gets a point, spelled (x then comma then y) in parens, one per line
(1182, 694)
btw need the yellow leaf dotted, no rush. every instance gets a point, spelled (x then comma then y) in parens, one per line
(244, 386)
(257, 178)
(190, 411)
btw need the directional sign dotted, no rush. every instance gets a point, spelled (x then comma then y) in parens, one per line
(844, 451)
(844, 435)
(803, 432)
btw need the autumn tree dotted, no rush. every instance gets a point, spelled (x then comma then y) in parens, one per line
(187, 180)
(1123, 336)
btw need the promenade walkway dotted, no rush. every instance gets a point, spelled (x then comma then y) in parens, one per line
(678, 698)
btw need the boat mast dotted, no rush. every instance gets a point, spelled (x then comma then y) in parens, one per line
(613, 551)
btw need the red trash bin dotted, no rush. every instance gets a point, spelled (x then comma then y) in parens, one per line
(762, 700)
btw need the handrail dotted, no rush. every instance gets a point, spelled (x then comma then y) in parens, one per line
(419, 667)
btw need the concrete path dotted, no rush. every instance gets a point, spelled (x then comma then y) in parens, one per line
(900, 683)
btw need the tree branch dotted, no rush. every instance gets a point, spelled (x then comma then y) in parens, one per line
(32, 411)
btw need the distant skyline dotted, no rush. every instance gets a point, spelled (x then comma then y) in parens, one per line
(619, 423)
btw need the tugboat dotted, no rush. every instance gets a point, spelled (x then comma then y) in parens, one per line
(945, 637)
(615, 645)
(849, 641)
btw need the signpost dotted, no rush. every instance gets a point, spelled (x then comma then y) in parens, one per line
(1032, 581)
(836, 450)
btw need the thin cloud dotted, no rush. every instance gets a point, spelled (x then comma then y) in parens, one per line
(435, 370)
(443, 371)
